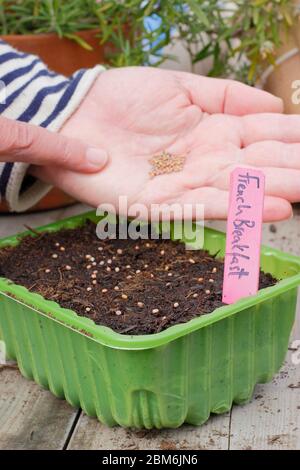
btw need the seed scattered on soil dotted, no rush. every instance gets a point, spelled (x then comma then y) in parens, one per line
(62, 248)
(47, 271)
(68, 268)
(165, 163)
(214, 270)
(89, 266)
(118, 312)
(211, 280)
(117, 269)
(186, 294)
(54, 256)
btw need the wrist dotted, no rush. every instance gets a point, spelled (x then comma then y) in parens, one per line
(36, 96)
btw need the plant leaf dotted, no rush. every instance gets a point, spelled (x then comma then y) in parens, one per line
(78, 40)
(198, 12)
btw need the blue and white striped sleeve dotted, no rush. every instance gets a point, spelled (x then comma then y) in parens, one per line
(33, 94)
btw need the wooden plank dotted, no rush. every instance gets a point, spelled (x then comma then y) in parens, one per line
(272, 419)
(89, 434)
(30, 417)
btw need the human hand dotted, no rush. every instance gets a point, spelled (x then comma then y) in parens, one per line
(21, 142)
(135, 113)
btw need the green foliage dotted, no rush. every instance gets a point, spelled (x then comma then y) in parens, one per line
(238, 36)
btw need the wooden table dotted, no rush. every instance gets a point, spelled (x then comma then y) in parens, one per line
(32, 418)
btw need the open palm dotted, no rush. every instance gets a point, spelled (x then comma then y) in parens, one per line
(135, 113)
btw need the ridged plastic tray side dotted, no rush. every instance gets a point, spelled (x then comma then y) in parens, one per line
(184, 380)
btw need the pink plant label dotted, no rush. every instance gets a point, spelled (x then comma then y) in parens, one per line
(243, 238)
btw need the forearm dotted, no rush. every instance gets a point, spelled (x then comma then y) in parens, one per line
(37, 96)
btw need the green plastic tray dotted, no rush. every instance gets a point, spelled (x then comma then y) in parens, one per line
(162, 380)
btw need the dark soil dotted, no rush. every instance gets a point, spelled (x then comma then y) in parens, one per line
(136, 287)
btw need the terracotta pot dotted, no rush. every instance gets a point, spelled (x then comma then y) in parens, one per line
(280, 80)
(53, 200)
(63, 56)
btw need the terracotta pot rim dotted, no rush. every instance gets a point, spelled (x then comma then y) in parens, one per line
(45, 35)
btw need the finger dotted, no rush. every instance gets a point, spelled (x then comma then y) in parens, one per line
(259, 127)
(283, 183)
(272, 154)
(21, 142)
(276, 209)
(215, 95)
(216, 201)
(280, 182)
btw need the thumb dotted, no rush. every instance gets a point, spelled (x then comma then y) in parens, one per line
(21, 142)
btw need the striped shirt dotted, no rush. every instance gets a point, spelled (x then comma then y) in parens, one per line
(30, 93)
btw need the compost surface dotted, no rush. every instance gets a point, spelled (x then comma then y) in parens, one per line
(133, 287)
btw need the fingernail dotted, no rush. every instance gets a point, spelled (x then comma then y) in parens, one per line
(96, 157)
